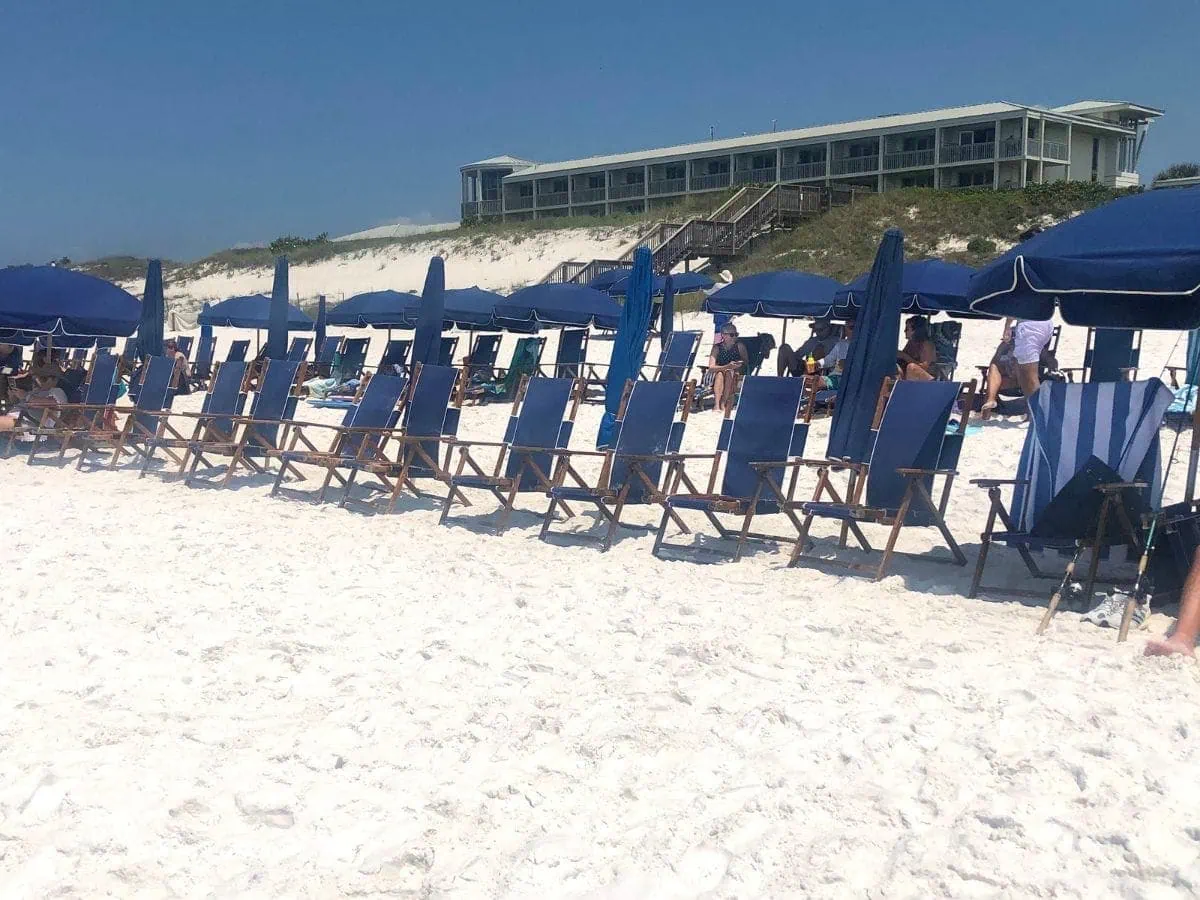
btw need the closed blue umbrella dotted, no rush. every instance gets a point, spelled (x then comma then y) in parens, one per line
(629, 343)
(927, 285)
(1132, 263)
(205, 330)
(319, 328)
(150, 324)
(277, 328)
(667, 324)
(252, 311)
(871, 356)
(784, 294)
(561, 304)
(55, 301)
(427, 341)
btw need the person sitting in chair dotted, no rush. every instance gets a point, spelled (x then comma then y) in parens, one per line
(44, 394)
(792, 362)
(915, 362)
(728, 360)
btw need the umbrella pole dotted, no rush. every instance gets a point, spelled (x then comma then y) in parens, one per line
(783, 340)
(1193, 457)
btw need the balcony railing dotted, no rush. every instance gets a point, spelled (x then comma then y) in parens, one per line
(512, 202)
(852, 165)
(1056, 150)
(800, 171)
(482, 208)
(624, 191)
(908, 159)
(754, 176)
(710, 182)
(588, 195)
(668, 186)
(968, 152)
(1012, 148)
(557, 198)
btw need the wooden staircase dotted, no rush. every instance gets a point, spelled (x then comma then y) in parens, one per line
(726, 232)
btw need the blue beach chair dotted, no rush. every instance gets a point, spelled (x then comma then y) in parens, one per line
(323, 365)
(361, 438)
(353, 356)
(1091, 456)
(395, 357)
(675, 361)
(911, 448)
(771, 428)
(202, 367)
(543, 416)
(526, 360)
(141, 424)
(570, 357)
(298, 351)
(483, 356)
(237, 351)
(632, 470)
(446, 351)
(1112, 354)
(184, 345)
(224, 401)
(63, 424)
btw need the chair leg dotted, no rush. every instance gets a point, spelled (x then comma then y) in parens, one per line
(890, 547)
(446, 504)
(1097, 544)
(801, 542)
(506, 507)
(547, 520)
(662, 531)
(940, 521)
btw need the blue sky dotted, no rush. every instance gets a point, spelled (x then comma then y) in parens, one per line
(176, 129)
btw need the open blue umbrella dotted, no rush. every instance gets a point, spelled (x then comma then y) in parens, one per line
(472, 308)
(427, 341)
(56, 301)
(606, 280)
(561, 304)
(629, 343)
(685, 283)
(784, 294)
(667, 324)
(277, 318)
(379, 309)
(319, 327)
(871, 356)
(1132, 263)
(927, 285)
(252, 311)
(150, 324)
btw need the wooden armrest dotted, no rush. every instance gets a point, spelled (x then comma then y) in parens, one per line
(907, 471)
(459, 442)
(820, 464)
(1121, 486)
(558, 451)
(997, 482)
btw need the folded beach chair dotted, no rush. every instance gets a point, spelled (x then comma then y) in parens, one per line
(543, 416)
(184, 343)
(361, 438)
(202, 367)
(526, 360)
(237, 351)
(675, 361)
(352, 357)
(62, 424)
(429, 416)
(223, 403)
(1089, 466)
(141, 423)
(771, 427)
(1112, 354)
(323, 363)
(632, 469)
(298, 351)
(911, 448)
(395, 354)
(483, 356)
(259, 437)
(446, 351)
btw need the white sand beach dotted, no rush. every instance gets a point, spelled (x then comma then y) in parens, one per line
(223, 694)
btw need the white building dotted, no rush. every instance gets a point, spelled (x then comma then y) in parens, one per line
(996, 145)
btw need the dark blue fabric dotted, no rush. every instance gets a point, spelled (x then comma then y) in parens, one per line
(910, 437)
(253, 311)
(149, 341)
(1132, 263)
(559, 304)
(277, 317)
(50, 300)
(762, 432)
(538, 424)
(427, 340)
(605, 280)
(319, 326)
(237, 351)
(872, 354)
(571, 353)
(382, 309)
(1112, 350)
(427, 412)
(928, 285)
(471, 307)
(59, 341)
(629, 345)
(298, 351)
(226, 397)
(395, 354)
(683, 283)
(783, 294)
(647, 429)
(678, 355)
(667, 316)
(272, 403)
(206, 340)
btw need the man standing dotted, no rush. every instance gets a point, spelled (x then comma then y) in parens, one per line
(1029, 340)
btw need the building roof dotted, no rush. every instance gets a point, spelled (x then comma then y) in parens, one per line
(504, 160)
(1098, 107)
(769, 139)
(1193, 181)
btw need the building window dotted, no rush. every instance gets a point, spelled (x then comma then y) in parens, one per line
(912, 144)
(763, 161)
(595, 182)
(674, 170)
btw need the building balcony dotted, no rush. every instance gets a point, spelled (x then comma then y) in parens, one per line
(908, 159)
(512, 202)
(754, 176)
(800, 171)
(668, 186)
(1056, 150)
(961, 153)
(557, 198)
(1013, 148)
(853, 165)
(482, 208)
(588, 195)
(624, 191)
(709, 182)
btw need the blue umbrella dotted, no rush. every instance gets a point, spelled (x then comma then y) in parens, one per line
(60, 341)
(253, 311)
(685, 283)
(319, 327)
(471, 307)
(427, 341)
(381, 309)
(872, 354)
(150, 324)
(783, 294)
(560, 304)
(1132, 263)
(606, 280)
(277, 319)
(928, 285)
(629, 343)
(55, 301)
(667, 324)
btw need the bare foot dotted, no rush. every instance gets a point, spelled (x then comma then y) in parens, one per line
(1169, 646)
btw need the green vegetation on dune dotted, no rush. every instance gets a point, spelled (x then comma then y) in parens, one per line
(967, 226)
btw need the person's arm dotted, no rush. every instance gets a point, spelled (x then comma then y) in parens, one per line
(743, 364)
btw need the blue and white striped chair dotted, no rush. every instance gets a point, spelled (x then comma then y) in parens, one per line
(1073, 425)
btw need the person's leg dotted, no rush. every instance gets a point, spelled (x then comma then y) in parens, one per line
(1183, 638)
(995, 381)
(785, 361)
(8, 423)
(913, 372)
(1027, 378)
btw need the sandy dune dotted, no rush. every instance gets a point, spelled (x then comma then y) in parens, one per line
(217, 693)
